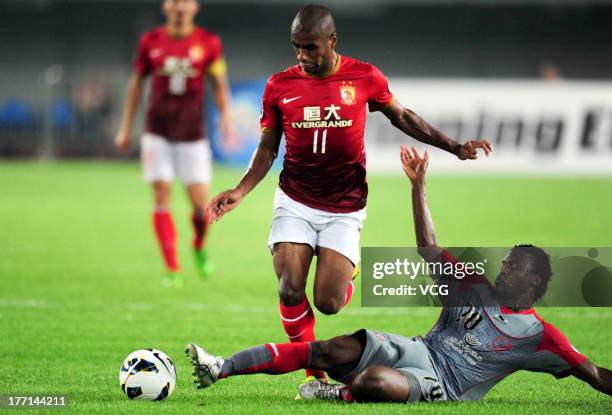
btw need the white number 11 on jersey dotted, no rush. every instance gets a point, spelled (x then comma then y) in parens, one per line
(316, 141)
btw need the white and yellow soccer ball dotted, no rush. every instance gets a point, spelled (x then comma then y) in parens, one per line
(148, 375)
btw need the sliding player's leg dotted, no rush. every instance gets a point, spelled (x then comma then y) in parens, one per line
(392, 368)
(380, 384)
(342, 357)
(374, 384)
(339, 356)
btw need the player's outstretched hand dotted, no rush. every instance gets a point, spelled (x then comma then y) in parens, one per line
(414, 165)
(223, 203)
(123, 141)
(467, 151)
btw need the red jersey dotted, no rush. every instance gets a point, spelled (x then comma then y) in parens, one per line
(178, 68)
(324, 120)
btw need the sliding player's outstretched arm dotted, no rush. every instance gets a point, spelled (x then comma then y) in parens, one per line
(557, 356)
(415, 168)
(258, 168)
(416, 127)
(598, 377)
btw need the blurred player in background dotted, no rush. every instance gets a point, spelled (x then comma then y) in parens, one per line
(493, 333)
(179, 57)
(320, 106)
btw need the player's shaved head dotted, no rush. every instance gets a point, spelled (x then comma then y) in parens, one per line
(313, 35)
(314, 19)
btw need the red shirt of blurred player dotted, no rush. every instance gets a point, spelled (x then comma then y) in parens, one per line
(178, 68)
(178, 58)
(324, 121)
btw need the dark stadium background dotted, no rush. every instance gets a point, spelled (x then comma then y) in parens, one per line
(52, 47)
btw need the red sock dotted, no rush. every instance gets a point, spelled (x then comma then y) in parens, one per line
(299, 323)
(349, 292)
(270, 358)
(200, 226)
(166, 236)
(346, 396)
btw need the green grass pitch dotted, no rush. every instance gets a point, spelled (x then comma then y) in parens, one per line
(80, 286)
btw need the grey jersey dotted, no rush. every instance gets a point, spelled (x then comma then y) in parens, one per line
(475, 346)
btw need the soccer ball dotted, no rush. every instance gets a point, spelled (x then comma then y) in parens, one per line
(147, 375)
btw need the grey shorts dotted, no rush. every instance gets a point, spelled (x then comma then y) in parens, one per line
(408, 356)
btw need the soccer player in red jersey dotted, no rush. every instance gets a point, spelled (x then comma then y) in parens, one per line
(320, 106)
(179, 57)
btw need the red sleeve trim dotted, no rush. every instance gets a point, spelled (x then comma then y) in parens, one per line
(381, 104)
(378, 101)
(447, 257)
(269, 112)
(141, 63)
(217, 47)
(554, 341)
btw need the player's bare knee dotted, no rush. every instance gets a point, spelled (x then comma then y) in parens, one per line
(161, 195)
(161, 206)
(359, 387)
(291, 297)
(198, 205)
(289, 292)
(368, 384)
(285, 268)
(372, 378)
(328, 305)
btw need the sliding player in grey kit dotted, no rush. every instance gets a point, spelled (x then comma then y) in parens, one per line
(485, 333)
